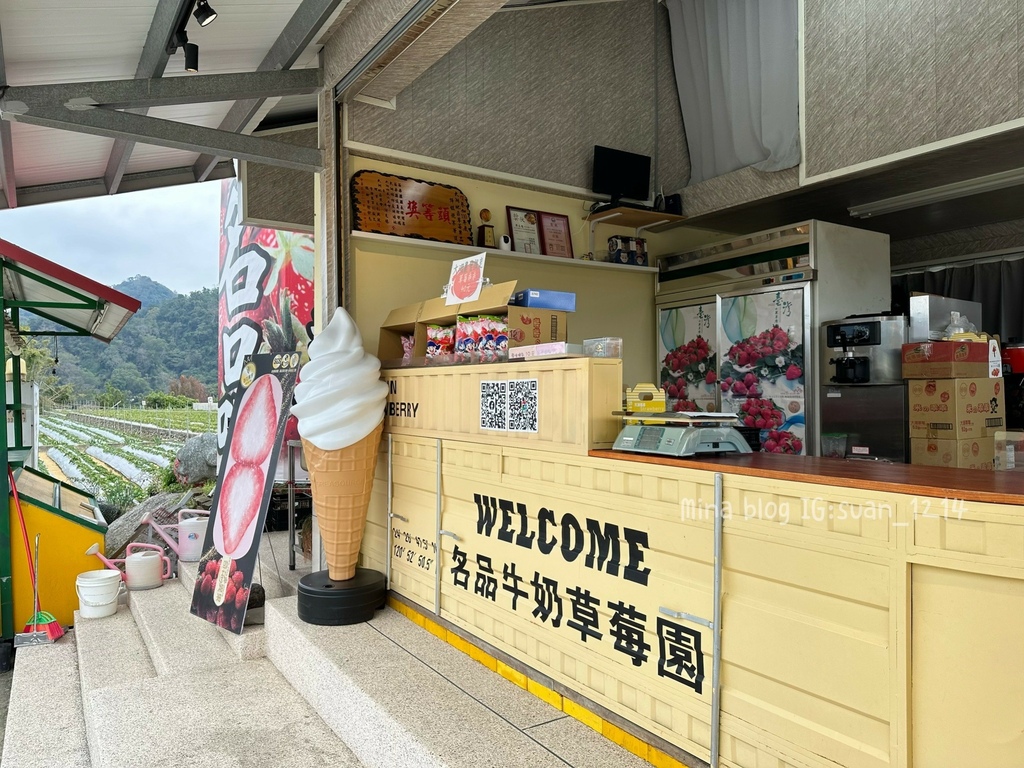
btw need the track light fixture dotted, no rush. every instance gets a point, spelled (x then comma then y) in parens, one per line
(204, 13)
(191, 57)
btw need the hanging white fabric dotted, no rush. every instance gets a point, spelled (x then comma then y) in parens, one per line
(736, 66)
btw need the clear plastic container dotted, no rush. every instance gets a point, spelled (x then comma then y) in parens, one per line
(606, 346)
(833, 445)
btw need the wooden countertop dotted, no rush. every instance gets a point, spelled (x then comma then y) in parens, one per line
(938, 482)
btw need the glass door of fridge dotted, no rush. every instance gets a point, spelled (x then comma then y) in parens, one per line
(688, 355)
(763, 342)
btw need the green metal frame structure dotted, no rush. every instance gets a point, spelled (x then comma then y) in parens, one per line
(83, 308)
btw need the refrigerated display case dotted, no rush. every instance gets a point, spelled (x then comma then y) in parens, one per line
(762, 295)
(688, 351)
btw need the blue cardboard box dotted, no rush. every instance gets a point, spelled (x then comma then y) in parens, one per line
(541, 299)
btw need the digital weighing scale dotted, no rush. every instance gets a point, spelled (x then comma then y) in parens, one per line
(687, 433)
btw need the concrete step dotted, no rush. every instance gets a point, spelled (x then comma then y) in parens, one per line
(277, 580)
(273, 573)
(45, 720)
(242, 714)
(400, 697)
(178, 642)
(111, 650)
(246, 646)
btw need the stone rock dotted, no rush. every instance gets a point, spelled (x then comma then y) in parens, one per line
(126, 529)
(196, 461)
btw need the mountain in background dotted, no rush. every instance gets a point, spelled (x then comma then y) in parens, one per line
(171, 335)
(146, 290)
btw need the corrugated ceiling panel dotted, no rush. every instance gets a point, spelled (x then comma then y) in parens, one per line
(240, 37)
(48, 156)
(54, 41)
(147, 157)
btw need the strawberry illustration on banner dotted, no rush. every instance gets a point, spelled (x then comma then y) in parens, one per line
(244, 486)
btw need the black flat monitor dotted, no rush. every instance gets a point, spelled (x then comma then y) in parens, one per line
(621, 174)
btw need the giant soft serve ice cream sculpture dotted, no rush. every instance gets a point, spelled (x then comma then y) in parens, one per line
(339, 405)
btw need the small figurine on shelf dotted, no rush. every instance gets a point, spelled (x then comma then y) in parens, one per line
(485, 232)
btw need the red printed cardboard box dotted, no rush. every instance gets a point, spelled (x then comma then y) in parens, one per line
(952, 360)
(531, 325)
(956, 409)
(965, 454)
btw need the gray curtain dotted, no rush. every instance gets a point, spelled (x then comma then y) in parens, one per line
(737, 71)
(998, 285)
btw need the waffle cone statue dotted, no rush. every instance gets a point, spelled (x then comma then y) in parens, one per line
(339, 405)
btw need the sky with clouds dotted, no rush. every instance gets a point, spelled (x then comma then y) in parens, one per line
(170, 235)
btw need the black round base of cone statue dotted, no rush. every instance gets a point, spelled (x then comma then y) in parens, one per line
(332, 603)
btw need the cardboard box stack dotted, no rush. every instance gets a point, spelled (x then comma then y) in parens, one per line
(956, 401)
(415, 331)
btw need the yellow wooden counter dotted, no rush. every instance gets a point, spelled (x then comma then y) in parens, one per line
(872, 615)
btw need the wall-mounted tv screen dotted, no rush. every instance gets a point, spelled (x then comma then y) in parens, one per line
(621, 174)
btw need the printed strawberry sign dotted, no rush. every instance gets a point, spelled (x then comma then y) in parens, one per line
(244, 486)
(466, 279)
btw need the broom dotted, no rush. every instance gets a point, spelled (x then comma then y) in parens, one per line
(42, 622)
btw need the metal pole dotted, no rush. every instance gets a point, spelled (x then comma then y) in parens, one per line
(6, 572)
(437, 536)
(16, 404)
(291, 505)
(391, 533)
(716, 621)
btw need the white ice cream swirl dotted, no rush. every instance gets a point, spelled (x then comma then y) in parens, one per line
(341, 397)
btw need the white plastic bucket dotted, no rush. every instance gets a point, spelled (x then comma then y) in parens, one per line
(97, 593)
(191, 537)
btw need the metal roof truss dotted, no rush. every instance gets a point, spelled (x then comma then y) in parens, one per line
(94, 108)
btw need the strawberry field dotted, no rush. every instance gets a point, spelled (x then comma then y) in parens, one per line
(175, 419)
(114, 462)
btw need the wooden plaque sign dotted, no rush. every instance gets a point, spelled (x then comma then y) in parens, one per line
(397, 205)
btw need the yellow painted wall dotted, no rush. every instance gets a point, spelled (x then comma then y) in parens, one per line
(829, 657)
(968, 669)
(609, 302)
(575, 401)
(62, 545)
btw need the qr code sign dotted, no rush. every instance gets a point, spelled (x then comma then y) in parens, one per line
(494, 405)
(522, 405)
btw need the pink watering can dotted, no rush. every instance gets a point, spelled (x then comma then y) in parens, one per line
(145, 566)
(191, 533)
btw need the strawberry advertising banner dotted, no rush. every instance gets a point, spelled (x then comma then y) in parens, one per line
(244, 485)
(265, 304)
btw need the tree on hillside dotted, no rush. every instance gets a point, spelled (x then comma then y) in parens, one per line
(112, 397)
(188, 386)
(37, 361)
(171, 336)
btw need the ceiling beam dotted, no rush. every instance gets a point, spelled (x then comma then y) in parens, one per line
(130, 182)
(168, 133)
(7, 177)
(300, 31)
(152, 63)
(162, 92)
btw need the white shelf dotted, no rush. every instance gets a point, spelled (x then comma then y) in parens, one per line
(441, 250)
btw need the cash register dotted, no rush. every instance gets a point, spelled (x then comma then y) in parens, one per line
(679, 435)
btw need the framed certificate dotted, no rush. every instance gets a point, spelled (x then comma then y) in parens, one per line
(524, 229)
(555, 236)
